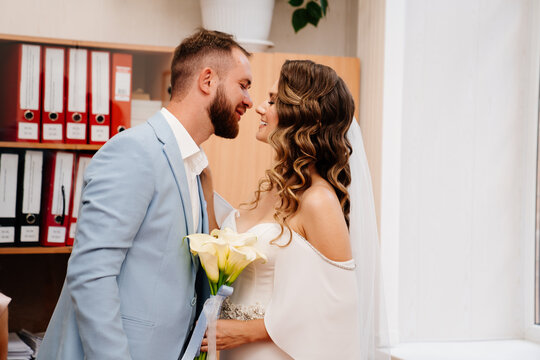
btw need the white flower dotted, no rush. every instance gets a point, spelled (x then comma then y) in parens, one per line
(203, 245)
(224, 252)
(239, 258)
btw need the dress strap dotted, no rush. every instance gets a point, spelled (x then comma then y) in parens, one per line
(346, 265)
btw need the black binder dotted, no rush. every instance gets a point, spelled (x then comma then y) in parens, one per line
(9, 167)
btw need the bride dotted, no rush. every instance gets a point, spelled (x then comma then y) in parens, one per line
(315, 297)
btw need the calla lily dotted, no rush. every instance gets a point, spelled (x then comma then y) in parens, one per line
(201, 246)
(236, 239)
(222, 249)
(224, 254)
(239, 258)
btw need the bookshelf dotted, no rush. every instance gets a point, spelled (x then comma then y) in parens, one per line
(33, 276)
(42, 146)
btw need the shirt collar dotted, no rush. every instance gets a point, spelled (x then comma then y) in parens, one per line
(193, 156)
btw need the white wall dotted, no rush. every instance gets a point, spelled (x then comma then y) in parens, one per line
(160, 22)
(166, 22)
(394, 46)
(335, 34)
(468, 142)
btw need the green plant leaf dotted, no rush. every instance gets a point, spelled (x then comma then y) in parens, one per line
(299, 19)
(296, 2)
(314, 9)
(313, 20)
(324, 6)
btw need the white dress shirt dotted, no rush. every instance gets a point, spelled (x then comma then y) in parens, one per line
(195, 160)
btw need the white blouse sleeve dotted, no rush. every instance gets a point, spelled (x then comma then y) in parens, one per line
(313, 310)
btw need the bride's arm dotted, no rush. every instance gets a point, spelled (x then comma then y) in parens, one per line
(233, 333)
(208, 190)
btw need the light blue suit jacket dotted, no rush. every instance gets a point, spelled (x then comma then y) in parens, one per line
(130, 285)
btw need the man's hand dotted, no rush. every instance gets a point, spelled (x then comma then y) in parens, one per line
(233, 333)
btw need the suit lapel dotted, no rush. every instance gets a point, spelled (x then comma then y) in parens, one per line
(203, 218)
(174, 157)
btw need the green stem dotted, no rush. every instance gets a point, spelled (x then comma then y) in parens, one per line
(202, 356)
(221, 278)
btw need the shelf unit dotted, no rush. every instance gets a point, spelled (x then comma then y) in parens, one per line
(33, 276)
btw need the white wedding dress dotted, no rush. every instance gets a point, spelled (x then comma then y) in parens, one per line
(309, 303)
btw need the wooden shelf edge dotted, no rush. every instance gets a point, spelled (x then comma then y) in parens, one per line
(90, 44)
(30, 145)
(35, 250)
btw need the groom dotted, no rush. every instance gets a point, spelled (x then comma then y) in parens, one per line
(130, 283)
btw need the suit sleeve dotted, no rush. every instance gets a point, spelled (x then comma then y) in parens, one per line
(118, 188)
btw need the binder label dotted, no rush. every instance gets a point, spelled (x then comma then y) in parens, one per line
(100, 82)
(122, 88)
(30, 68)
(54, 80)
(62, 179)
(8, 184)
(7, 234)
(72, 230)
(81, 168)
(28, 131)
(99, 133)
(76, 131)
(33, 170)
(57, 234)
(52, 131)
(78, 59)
(29, 233)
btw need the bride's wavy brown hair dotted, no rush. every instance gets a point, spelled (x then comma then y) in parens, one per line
(314, 109)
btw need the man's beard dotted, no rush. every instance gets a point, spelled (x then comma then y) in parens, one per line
(223, 116)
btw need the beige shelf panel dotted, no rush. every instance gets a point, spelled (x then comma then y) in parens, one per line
(35, 250)
(90, 44)
(31, 145)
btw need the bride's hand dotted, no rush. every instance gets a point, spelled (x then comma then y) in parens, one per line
(233, 333)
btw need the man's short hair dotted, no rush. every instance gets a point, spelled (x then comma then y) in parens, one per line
(203, 48)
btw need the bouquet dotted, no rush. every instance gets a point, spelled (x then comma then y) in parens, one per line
(223, 254)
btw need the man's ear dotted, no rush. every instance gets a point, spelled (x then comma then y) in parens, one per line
(207, 80)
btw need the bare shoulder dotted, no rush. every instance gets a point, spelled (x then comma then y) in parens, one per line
(319, 195)
(322, 222)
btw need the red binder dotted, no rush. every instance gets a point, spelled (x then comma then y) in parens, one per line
(77, 89)
(20, 71)
(52, 119)
(56, 192)
(122, 65)
(80, 167)
(99, 99)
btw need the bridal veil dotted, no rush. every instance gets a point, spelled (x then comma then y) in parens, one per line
(374, 341)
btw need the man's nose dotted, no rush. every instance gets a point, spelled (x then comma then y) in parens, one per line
(247, 101)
